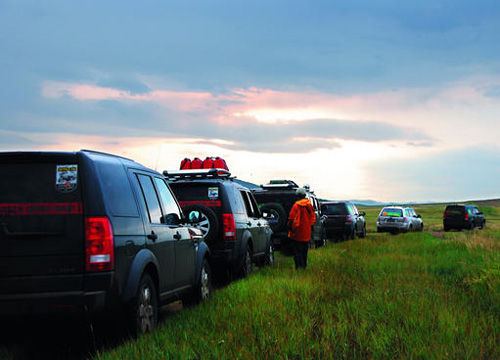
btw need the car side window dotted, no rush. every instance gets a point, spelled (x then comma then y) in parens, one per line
(150, 198)
(168, 201)
(256, 210)
(248, 206)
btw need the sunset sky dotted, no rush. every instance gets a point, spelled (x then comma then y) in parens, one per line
(383, 100)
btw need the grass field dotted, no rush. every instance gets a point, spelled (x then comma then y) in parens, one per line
(418, 295)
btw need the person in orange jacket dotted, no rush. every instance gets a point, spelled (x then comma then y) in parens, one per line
(300, 221)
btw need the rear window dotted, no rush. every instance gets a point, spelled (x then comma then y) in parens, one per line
(40, 182)
(334, 209)
(455, 210)
(391, 212)
(206, 194)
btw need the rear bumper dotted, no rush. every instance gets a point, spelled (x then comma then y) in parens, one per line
(45, 303)
(392, 226)
(457, 224)
(342, 230)
(56, 294)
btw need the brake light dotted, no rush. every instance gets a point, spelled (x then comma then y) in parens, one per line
(467, 216)
(405, 219)
(348, 219)
(228, 227)
(99, 245)
(444, 216)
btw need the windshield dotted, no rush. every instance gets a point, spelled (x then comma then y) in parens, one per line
(334, 209)
(391, 212)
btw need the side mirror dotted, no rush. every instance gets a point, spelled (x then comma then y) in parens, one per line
(171, 219)
(362, 213)
(480, 213)
(419, 216)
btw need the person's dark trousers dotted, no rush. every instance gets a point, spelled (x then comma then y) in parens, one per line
(300, 257)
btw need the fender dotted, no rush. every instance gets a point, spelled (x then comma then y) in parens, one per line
(203, 251)
(245, 239)
(143, 258)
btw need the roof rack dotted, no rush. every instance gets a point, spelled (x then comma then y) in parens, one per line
(196, 174)
(280, 184)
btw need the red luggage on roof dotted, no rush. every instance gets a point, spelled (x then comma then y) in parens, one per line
(220, 163)
(196, 163)
(208, 163)
(185, 164)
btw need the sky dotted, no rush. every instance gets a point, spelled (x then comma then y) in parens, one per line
(393, 101)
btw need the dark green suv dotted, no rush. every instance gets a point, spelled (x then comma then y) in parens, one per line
(87, 231)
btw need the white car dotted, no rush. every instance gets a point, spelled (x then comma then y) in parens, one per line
(397, 219)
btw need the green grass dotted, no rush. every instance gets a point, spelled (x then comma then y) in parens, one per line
(420, 295)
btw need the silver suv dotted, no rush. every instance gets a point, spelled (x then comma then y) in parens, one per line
(396, 219)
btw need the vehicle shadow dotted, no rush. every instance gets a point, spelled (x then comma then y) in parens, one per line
(75, 336)
(61, 337)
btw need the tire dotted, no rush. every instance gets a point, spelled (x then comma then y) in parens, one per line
(354, 235)
(277, 216)
(208, 224)
(203, 289)
(421, 227)
(446, 228)
(483, 224)
(144, 307)
(269, 258)
(246, 263)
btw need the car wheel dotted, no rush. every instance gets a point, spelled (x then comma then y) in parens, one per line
(269, 259)
(422, 227)
(247, 265)
(446, 228)
(276, 216)
(206, 221)
(483, 224)
(203, 289)
(144, 308)
(354, 235)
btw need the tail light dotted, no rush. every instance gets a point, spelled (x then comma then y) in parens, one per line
(348, 219)
(228, 227)
(405, 219)
(99, 246)
(444, 216)
(467, 216)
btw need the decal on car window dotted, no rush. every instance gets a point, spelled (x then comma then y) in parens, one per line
(66, 177)
(213, 193)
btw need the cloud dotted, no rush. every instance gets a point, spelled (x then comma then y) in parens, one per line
(260, 120)
(455, 175)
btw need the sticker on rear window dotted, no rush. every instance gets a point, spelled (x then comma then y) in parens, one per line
(213, 193)
(66, 178)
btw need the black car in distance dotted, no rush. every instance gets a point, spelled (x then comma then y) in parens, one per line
(276, 200)
(93, 232)
(343, 220)
(228, 216)
(463, 217)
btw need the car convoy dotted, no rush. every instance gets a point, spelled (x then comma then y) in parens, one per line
(96, 232)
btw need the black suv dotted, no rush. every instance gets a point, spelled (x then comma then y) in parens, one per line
(276, 200)
(463, 217)
(228, 216)
(94, 232)
(343, 220)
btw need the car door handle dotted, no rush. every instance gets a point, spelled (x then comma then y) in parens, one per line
(249, 223)
(152, 236)
(177, 236)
